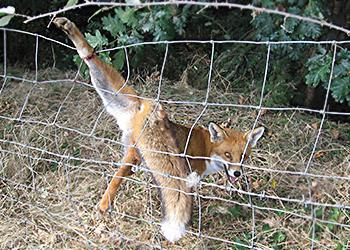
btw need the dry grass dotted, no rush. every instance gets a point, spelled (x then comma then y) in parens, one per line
(49, 202)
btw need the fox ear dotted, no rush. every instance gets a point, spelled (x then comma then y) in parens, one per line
(254, 136)
(217, 134)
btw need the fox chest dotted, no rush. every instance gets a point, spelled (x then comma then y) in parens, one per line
(212, 167)
(205, 167)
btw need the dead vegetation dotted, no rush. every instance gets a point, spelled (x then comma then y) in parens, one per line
(56, 162)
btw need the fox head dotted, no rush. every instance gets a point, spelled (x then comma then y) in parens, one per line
(228, 147)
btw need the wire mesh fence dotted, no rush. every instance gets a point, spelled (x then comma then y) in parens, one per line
(59, 149)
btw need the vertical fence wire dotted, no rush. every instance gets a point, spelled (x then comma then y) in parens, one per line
(66, 160)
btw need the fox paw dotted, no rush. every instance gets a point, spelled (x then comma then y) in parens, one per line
(64, 24)
(103, 207)
(193, 179)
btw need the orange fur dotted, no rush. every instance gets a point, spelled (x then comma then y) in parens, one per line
(145, 123)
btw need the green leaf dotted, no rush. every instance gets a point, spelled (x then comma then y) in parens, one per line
(318, 227)
(319, 212)
(290, 24)
(280, 213)
(127, 16)
(310, 29)
(343, 67)
(340, 88)
(83, 69)
(104, 56)
(132, 39)
(147, 27)
(71, 3)
(339, 70)
(119, 59)
(266, 227)
(335, 214)
(113, 25)
(159, 34)
(344, 54)
(331, 227)
(9, 10)
(279, 236)
(235, 211)
(96, 41)
(77, 152)
(340, 246)
(319, 69)
(294, 9)
(239, 241)
(5, 20)
(54, 166)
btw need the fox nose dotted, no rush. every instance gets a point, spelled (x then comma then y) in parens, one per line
(237, 173)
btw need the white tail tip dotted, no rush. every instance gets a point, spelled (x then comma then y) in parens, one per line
(193, 179)
(173, 231)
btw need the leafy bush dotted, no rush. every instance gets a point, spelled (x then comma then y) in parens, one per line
(319, 69)
(291, 66)
(132, 25)
(318, 66)
(287, 68)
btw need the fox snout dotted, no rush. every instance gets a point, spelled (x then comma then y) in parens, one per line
(237, 173)
(234, 172)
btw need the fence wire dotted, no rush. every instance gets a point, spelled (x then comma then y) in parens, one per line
(36, 154)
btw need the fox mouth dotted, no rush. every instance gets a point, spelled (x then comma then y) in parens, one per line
(231, 175)
(232, 179)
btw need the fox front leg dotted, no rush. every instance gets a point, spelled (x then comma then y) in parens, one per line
(131, 158)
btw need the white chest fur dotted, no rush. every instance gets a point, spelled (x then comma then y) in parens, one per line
(213, 166)
(123, 117)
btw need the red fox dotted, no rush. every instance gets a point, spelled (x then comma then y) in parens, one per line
(146, 128)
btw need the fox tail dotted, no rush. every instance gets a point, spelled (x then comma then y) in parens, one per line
(174, 192)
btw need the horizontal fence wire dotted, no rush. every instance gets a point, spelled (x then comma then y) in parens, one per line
(66, 159)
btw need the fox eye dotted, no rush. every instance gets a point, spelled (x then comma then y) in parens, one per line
(228, 155)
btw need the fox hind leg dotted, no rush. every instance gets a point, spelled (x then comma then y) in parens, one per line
(68, 27)
(119, 100)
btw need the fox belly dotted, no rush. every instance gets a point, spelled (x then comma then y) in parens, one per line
(121, 107)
